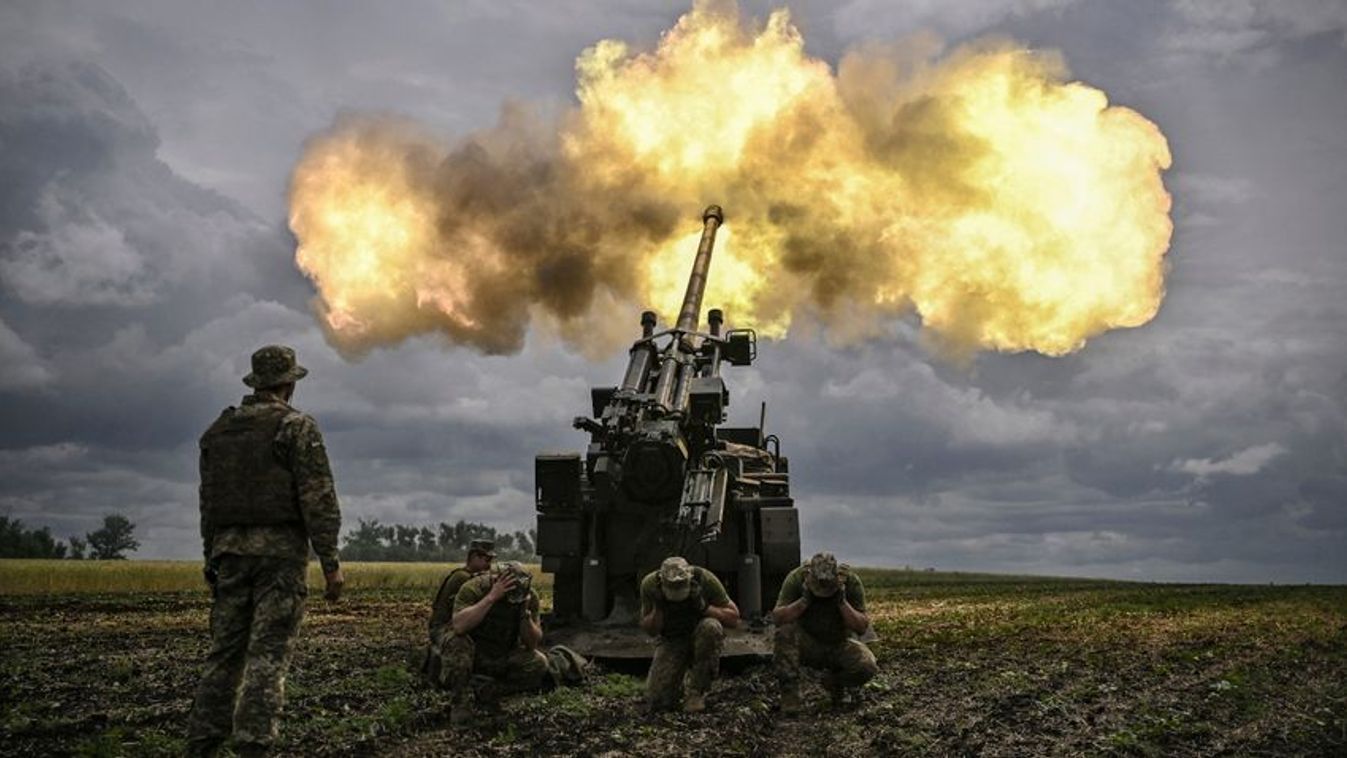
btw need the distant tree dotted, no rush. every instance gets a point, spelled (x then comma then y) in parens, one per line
(114, 540)
(426, 542)
(77, 546)
(443, 543)
(16, 541)
(524, 543)
(363, 540)
(406, 536)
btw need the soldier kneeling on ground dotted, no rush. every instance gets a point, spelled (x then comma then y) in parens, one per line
(480, 555)
(818, 613)
(688, 608)
(496, 632)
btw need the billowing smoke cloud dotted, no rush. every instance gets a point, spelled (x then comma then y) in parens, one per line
(1010, 208)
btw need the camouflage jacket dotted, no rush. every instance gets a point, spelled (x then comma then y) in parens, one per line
(299, 447)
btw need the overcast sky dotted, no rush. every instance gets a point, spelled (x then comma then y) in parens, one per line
(144, 153)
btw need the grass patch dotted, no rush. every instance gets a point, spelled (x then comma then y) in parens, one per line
(619, 686)
(44, 577)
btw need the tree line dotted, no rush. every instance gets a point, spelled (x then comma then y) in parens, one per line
(369, 541)
(110, 542)
(444, 543)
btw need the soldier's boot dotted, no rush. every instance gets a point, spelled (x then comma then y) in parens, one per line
(842, 697)
(460, 715)
(488, 694)
(790, 701)
(694, 702)
(460, 708)
(836, 693)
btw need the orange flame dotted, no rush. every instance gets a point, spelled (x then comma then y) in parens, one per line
(1012, 209)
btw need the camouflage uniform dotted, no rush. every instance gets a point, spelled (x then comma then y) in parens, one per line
(819, 639)
(442, 613)
(493, 649)
(690, 643)
(258, 569)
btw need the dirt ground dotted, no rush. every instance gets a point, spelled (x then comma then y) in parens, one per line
(970, 665)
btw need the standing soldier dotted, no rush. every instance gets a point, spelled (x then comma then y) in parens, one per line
(267, 496)
(688, 609)
(820, 609)
(480, 555)
(496, 631)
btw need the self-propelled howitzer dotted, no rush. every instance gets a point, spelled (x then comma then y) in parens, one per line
(662, 477)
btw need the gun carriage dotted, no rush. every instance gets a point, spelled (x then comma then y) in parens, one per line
(661, 476)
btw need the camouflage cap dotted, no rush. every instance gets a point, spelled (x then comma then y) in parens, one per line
(820, 574)
(675, 578)
(273, 366)
(485, 547)
(523, 580)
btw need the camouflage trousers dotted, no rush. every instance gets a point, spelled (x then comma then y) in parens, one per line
(695, 658)
(521, 670)
(846, 664)
(259, 603)
(433, 656)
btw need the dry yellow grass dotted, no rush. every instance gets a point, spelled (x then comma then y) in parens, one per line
(38, 577)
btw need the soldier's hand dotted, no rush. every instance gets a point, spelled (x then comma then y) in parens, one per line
(503, 584)
(211, 572)
(335, 581)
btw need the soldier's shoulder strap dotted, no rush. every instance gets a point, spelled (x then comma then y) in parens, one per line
(449, 577)
(224, 416)
(293, 417)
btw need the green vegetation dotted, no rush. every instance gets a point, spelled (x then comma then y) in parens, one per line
(970, 664)
(372, 541)
(110, 542)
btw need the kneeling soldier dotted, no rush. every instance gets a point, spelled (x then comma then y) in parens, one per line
(821, 607)
(688, 608)
(496, 635)
(480, 555)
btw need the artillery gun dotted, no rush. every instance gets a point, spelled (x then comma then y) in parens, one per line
(662, 477)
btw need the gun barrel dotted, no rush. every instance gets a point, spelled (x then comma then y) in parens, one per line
(690, 313)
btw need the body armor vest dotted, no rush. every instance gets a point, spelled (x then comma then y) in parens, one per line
(242, 482)
(498, 633)
(681, 617)
(822, 620)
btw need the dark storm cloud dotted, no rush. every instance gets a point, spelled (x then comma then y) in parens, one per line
(143, 154)
(118, 353)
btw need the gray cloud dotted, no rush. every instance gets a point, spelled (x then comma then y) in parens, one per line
(875, 18)
(21, 368)
(1252, 30)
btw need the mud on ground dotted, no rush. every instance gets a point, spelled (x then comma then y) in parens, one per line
(971, 665)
